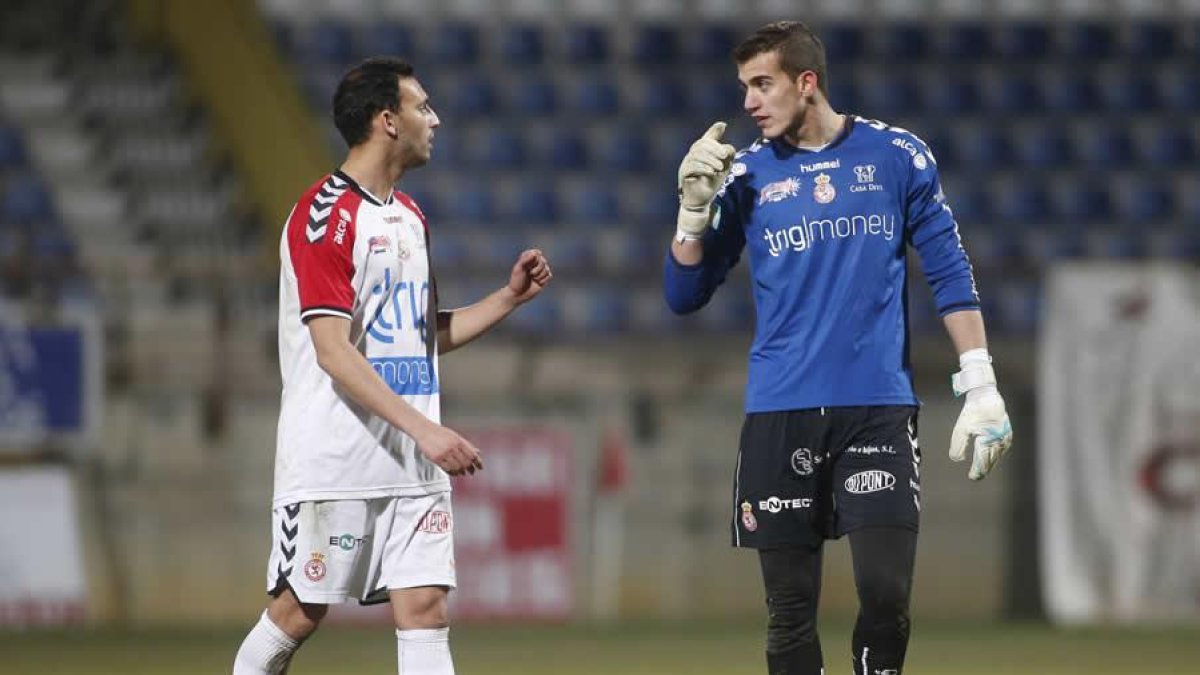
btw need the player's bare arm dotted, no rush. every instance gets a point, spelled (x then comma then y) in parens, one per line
(353, 375)
(529, 276)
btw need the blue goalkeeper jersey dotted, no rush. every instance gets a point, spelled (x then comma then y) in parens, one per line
(827, 234)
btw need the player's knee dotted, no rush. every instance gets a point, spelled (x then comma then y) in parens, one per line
(791, 620)
(884, 600)
(421, 608)
(297, 619)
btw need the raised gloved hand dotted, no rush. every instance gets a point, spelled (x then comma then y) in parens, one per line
(983, 423)
(701, 174)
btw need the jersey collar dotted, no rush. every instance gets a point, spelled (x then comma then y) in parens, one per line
(782, 147)
(362, 191)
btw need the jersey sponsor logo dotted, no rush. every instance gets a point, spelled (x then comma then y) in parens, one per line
(865, 482)
(379, 244)
(824, 192)
(314, 569)
(738, 169)
(748, 520)
(865, 173)
(406, 375)
(435, 522)
(803, 461)
(388, 316)
(776, 504)
(808, 233)
(871, 450)
(821, 166)
(339, 233)
(919, 158)
(779, 191)
(347, 542)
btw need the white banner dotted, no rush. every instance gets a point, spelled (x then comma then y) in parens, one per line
(41, 558)
(1119, 444)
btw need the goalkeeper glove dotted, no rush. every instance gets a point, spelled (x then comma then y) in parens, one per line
(701, 174)
(983, 423)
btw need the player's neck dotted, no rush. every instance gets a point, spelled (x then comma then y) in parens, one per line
(821, 126)
(370, 168)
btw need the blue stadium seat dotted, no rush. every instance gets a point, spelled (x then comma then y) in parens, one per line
(1106, 147)
(843, 94)
(1132, 92)
(537, 318)
(716, 100)
(596, 97)
(1145, 201)
(844, 43)
(427, 200)
(329, 41)
(984, 147)
(454, 43)
(380, 38)
(901, 42)
(471, 205)
(627, 150)
(657, 206)
(964, 42)
(663, 96)
(586, 44)
(596, 204)
(1015, 93)
(25, 201)
(534, 97)
(941, 144)
(1023, 41)
(1025, 204)
(12, 148)
(1178, 243)
(1170, 146)
(953, 95)
(1152, 40)
(504, 150)
(1084, 201)
(607, 310)
(1086, 42)
(1019, 305)
(713, 44)
(892, 96)
(1044, 147)
(537, 204)
(449, 249)
(655, 45)
(1115, 243)
(1073, 93)
(971, 205)
(1044, 245)
(521, 44)
(1181, 91)
(568, 150)
(571, 250)
(472, 96)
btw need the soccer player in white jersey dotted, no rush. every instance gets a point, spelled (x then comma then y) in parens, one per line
(361, 509)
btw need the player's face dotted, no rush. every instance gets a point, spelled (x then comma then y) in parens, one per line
(414, 123)
(775, 101)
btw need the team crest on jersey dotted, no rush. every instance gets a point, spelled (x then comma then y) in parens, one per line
(779, 191)
(748, 520)
(379, 244)
(403, 253)
(824, 192)
(314, 569)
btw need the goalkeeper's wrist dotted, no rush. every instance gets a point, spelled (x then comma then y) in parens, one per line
(975, 373)
(693, 221)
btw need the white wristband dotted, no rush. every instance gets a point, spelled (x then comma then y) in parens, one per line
(972, 377)
(682, 236)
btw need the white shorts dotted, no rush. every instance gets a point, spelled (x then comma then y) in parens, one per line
(334, 551)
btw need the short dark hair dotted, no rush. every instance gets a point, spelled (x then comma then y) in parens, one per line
(798, 47)
(364, 91)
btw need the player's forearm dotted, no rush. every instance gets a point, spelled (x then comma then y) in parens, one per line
(966, 330)
(688, 252)
(457, 327)
(354, 376)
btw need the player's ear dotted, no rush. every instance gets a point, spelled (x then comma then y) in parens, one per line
(387, 119)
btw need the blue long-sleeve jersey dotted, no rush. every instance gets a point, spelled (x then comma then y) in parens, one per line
(827, 234)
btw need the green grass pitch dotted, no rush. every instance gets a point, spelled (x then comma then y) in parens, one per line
(728, 648)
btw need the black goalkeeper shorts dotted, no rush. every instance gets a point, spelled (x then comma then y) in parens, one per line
(804, 476)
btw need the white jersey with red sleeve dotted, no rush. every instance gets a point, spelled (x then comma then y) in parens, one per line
(347, 253)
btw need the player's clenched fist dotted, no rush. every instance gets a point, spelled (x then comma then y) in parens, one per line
(445, 448)
(529, 276)
(701, 174)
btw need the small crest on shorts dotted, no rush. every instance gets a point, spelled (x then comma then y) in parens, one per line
(748, 520)
(314, 569)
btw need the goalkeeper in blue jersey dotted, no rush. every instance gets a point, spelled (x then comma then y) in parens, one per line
(826, 205)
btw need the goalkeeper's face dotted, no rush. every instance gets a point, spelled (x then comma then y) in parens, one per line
(776, 102)
(411, 127)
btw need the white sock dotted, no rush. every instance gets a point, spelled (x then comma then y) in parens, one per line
(424, 652)
(267, 650)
